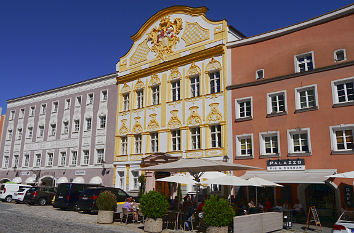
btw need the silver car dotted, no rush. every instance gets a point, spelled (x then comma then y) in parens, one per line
(345, 223)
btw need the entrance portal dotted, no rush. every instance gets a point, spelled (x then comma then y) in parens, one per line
(47, 181)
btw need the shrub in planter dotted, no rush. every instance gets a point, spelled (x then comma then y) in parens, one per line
(106, 204)
(217, 213)
(154, 206)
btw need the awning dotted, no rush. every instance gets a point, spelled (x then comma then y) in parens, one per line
(79, 180)
(313, 176)
(96, 180)
(17, 180)
(62, 179)
(30, 180)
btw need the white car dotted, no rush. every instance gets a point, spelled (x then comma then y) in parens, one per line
(345, 223)
(7, 190)
(20, 195)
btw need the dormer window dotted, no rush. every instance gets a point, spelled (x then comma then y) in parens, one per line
(260, 74)
(339, 55)
(304, 62)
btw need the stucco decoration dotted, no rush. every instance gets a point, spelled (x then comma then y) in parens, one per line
(165, 37)
(174, 122)
(154, 81)
(214, 115)
(194, 33)
(140, 53)
(124, 128)
(194, 118)
(153, 124)
(139, 85)
(125, 88)
(193, 70)
(175, 74)
(137, 128)
(213, 65)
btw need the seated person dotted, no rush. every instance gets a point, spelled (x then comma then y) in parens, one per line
(189, 210)
(129, 206)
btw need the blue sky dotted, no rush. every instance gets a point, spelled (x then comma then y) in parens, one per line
(47, 44)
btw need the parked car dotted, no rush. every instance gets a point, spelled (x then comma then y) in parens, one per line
(39, 195)
(7, 190)
(87, 199)
(345, 223)
(67, 194)
(20, 195)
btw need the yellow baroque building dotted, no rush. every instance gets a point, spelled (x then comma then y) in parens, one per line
(171, 91)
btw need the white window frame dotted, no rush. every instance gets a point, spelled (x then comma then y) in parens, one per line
(29, 132)
(6, 161)
(342, 127)
(43, 109)
(12, 115)
(9, 134)
(238, 146)
(16, 161)
(32, 111)
(195, 138)
(88, 123)
(21, 113)
(85, 157)
(290, 133)
(76, 125)
(103, 121)
(140, 98)
(55, 107)
(78, 101)
(213, 81)
(50, 161)
(336, 55)
(238, 103)
(73, 162)
(134, 180)
(138, 143)
(65, 127)
(334, 85)
(121, 179)
(303, 55)
(26, 160)
(154, 141)
(262, 143)
(53, 129)
(155, 92)
(297, 96)
(90, 99)
(218, 136)
(259, 74)
(62, 159)
(269, 102)
(175, 90)
(126, 101)
(67, 104)
(176, 140)
(19, 133)
(104, 95)
(100, 157)
(124, 145)
(41, 131)
(195, 85)
(37, 160)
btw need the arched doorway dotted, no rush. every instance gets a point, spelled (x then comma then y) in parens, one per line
(47, 181)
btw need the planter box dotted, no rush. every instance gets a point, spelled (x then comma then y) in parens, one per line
(217, 229)
(152, 225)
(105, 216)
(262, 223)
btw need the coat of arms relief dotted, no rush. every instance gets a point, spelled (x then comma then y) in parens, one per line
(164, 38)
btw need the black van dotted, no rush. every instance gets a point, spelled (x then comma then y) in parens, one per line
(87, 199)
(67, 194)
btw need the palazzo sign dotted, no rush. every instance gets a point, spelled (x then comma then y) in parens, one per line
(286, 165)
(80, 172)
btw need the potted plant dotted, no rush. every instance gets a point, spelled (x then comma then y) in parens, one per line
(106, 204)
(217, 215)
(154, 206)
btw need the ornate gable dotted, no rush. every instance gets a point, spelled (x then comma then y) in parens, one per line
(195, 33)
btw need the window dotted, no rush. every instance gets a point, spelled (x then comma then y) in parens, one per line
(67, 103)
(243, 108)
(259, 74)
(22, 113)
(76, 125)
(32, 111)
(195, 134)
(38, 160)
(90, 99)
(269, 143)
(176, 140)
(88, 124)
(215, 135)
(138, 144)
(30, 132)
(154, 142)
(26, 160)
(55, 107)
(65, 127)
(15, 162)
(41, 131)
(176, 90)
(342, 138)
(86, 157)
(304, 62)
(126, 102)
(124, 144)
(100, 156)
(103, 121)
(299, 141)
(9, 134)
(135, 176)
(155, 95)
(343, 91)
(214, 81)
(121, 179)
(104, 95)
(140, 98)
(195, 86)
(12, 115)
(6, 161)
(50, 159)
(340, 55)
(276, 103)
(53, 129)
(78, 101)
(244, 146)
(62, 159)
(306, 97)
(19, 135)
(43, 109)
(73, 157)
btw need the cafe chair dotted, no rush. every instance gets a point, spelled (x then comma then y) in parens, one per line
(126, 215)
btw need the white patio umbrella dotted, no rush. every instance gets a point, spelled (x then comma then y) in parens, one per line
(349, 175)
(230, 181)
(263, 183)
(179, 179)
(212, 175)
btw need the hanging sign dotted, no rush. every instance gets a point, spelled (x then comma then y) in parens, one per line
(286, 165)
